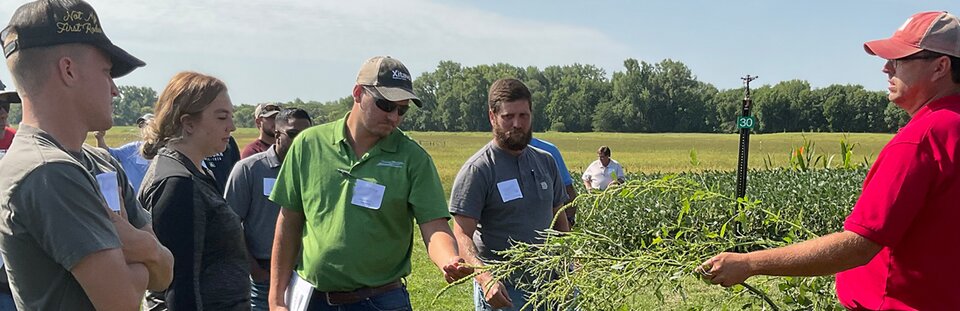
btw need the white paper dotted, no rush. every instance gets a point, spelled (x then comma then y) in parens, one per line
(298, 294)
(509, 190)
(110, 190)
(268, 185)
(368, 194)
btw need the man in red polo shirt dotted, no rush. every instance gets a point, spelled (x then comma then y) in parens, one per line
(6, 132)
(900, 244)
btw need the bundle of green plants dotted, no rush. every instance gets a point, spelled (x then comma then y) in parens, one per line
(647, 236)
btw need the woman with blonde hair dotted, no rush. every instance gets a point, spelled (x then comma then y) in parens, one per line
(193, 120)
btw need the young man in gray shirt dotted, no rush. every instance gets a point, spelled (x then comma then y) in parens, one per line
(71, 236)
(248, 190)
(505, 192)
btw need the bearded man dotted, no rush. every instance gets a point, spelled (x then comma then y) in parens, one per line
(505, 192)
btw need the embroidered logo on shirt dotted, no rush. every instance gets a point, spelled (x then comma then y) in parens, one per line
(396, 164)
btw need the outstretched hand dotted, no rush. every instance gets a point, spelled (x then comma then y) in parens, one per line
(456, 269)
(726, 269)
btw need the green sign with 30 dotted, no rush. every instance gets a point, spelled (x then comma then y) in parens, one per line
(746, 122)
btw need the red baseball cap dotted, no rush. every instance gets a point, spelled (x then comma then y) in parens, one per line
(932, 31)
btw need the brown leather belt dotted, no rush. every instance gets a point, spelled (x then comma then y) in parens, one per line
(344, 298)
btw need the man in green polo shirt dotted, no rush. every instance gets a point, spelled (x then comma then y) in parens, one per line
(350, 191)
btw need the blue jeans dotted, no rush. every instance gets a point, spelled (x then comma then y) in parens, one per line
(518, 298)
(6, 301)
(258, 296)
(394, 300)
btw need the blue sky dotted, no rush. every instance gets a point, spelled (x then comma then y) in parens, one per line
(284, 49)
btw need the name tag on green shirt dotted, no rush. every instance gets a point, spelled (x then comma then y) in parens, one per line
(368, 194)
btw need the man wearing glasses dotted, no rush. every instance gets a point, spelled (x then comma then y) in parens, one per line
(350, 191)
(900, 239)
(248, 187)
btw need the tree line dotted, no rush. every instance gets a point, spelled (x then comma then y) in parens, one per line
(643, 97)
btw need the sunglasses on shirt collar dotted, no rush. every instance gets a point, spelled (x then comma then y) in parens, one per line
(386, 105)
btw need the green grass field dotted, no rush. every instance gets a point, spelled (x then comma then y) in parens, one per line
(636, 152)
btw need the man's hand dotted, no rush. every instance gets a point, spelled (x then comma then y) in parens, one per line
(99, 135)
(495, 295)
(456, 269)
(138, 246)
(727, 269)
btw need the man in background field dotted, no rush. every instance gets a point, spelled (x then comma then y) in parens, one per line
(898, 250)
(603, 172)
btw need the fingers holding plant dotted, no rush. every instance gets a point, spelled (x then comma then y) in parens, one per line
(726, 269)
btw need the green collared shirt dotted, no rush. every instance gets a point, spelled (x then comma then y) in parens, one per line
(350, 241)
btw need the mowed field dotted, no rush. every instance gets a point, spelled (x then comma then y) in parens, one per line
(636, 152)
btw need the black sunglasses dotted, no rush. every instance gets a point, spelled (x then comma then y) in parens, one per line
(290, 133)
(388, 106)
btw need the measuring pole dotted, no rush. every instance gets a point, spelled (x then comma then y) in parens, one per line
(745, 122)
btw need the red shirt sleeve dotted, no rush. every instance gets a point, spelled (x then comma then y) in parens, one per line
(894, 192)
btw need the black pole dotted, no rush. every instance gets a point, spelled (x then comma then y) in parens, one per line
(744, 139)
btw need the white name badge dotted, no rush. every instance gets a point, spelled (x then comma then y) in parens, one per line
(509, 190)
(368, 194)
(110, 190)
(268, 186)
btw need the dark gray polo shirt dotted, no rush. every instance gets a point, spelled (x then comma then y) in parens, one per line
(248, 190)
(512, 197)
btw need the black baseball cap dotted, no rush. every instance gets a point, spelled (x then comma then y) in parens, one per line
(8, 97)
(388, 77)
(53, 22)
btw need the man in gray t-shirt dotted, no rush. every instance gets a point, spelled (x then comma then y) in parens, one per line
(52, 216)
(247, 192)
(70, 235)
(505, 192)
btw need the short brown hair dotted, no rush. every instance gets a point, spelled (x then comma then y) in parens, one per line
(30, 68)
(604, 150)
(188, 93)
(506, 90)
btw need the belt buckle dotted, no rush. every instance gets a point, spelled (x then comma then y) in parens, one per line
(329, 301)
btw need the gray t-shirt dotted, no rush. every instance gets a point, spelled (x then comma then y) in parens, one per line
(248, 190)
(52, 215)
(512, 197)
